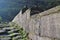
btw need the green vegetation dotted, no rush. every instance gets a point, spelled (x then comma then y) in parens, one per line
(0, 19)
(23, 34)
(10, 8)
(15, 32)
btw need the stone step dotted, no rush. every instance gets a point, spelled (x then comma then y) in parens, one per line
(3, 25)
(13, 30)
(2, 31)
(35, 37)
(8, 28)
(17, 37)
(14, 34)
(7, 32)
(5, 38)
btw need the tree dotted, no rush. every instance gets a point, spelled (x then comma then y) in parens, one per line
(0, 19)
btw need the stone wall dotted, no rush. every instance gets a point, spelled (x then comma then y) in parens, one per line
(42, 26)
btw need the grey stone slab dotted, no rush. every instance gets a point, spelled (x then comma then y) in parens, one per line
(35, 37)
(27, 25)
(1, 31)
(17, 37)
(44, 26)
(13, 34)
(57, 39)
(50, 11)
(31, 26)
(5, 38)
(8, 28)
(13, 30)
(37, 26)
(44, 38)
(50, 26)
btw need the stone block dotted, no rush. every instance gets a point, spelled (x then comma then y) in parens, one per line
(57, 39)
(35, 37)
(44, 38)
(50, 25)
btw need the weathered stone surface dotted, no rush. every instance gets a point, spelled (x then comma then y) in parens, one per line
(31, 26)
(45, 38)
(50, 26)
(35, 37)
(46, 24)
(34, 26)
(50, 11)
(18, 19)
(27, 25)
(57, 39)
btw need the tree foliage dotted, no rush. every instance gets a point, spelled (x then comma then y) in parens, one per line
(0, 18)
(10, 8)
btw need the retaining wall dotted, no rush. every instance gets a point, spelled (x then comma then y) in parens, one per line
(42, 26)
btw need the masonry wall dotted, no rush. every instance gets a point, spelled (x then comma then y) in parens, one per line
(42, 26)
